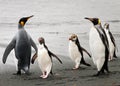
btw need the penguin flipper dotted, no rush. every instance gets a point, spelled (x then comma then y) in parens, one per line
(113, 41)
(36, 49)
(52, 54)
(8, 50)
(34, 45)
(33, 58)
(112, 38)
(86, 51)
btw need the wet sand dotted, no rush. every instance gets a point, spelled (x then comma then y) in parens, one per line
(63, 75)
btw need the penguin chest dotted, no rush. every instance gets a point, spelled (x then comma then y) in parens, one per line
(96, 46)
(111, 45)
(43, 58)
(73, 51)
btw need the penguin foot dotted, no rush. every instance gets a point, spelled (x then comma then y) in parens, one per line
(84, 63)
(18, 73)
(109, 59)
(87, 64)
(28, 73)
(43, 76)
(108, 71)
(75, 68)
(96, 75)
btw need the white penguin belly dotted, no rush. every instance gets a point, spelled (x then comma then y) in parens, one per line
(74, 52)
(111, 45)
(97, 48)
(44, 60)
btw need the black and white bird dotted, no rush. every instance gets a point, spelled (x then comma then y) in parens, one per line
(21, 43)
(44, 58)
(111, 40)
(76, 51)
(99, 46)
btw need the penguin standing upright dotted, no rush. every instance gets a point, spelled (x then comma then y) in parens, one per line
(99, 46)
(21, 43)
(44, 58)
(76, 51)
(111, 40)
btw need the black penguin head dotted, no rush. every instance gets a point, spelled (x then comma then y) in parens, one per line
(73, 37)
(95, 21)
(41, 40)
(106, 26)
(23, 20)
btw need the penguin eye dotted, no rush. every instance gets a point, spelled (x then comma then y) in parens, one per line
(74, 38)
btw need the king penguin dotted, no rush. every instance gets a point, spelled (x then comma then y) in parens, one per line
(111, 40)
(44, 58)
(21, 43)
(76, 51)
(99, 46)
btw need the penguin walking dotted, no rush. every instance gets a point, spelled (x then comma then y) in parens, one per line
(111, 40)
(44, 58)
(76, 51)
(21, 43)
(99, 46)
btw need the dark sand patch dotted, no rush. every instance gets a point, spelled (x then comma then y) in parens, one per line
(63, 76)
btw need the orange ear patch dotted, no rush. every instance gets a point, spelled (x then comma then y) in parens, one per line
(22, 23)
(99, 21)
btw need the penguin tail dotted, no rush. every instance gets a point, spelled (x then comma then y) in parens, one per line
(86, 52)
(33, 58)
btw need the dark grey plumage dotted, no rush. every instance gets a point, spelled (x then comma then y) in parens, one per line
(21, 44)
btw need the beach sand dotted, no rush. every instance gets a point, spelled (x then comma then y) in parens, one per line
(63, 75)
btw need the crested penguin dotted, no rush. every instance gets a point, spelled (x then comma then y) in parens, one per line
(111, 40)
(76, 51)
(21, 43)
(44, 58)
(99, 46)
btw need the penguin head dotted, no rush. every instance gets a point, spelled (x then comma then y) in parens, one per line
(73, 38)
(41, 40)
(23, 20)
(106, 26)
(95, 21)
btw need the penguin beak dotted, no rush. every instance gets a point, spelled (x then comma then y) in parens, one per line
(106, 25)
(70, 38)
(91, 19)
(30, 17)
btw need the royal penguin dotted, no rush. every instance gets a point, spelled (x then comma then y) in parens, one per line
(44, 58)
(111, 40)
(21, 43)
(99, 46)
(76, 51)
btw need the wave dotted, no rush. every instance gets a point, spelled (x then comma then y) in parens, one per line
(56, 23)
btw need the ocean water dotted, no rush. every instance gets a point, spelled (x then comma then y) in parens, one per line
(56, 20)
